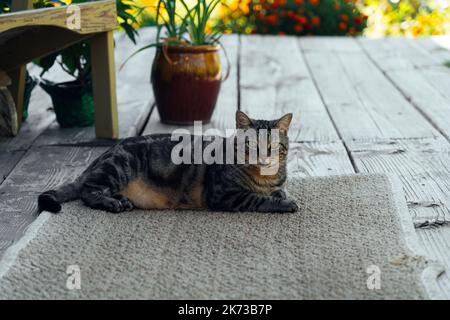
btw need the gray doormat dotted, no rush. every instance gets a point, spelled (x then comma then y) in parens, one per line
(352, 239)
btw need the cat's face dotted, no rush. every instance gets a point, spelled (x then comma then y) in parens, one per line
(276, 150)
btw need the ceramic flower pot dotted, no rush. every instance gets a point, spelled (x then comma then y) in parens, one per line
(186, 82)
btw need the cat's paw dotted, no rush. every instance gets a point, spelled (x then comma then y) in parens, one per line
(113, 205)
(47, 202)
(279, 194)
(288, 206)
(126, 203)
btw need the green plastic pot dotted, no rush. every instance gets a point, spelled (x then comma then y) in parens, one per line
(72, 101)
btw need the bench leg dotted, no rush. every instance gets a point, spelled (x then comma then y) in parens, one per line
(17, 90)
(104, 85)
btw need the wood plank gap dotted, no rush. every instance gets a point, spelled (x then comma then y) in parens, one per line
(349, 154)
(147, 119)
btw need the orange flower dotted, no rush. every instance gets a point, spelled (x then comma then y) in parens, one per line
(352, 30)
(342, 26)
(315, 21)
(314, 2)
(337, 7)
(272, 19)
(344, 17)
(298, 2)
(358, 20)
(290, 14)
(298, 28)
(281, 33)
(301, 19)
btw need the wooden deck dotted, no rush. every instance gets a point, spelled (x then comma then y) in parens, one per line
(359, 105)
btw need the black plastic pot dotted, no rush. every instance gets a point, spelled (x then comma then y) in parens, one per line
(72, 101)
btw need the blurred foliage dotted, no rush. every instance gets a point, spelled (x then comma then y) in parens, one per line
(410, 18)
(326, 17)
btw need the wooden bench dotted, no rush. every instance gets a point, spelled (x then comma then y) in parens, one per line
(27, 34)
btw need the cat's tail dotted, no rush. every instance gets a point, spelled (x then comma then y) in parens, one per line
(51, 200)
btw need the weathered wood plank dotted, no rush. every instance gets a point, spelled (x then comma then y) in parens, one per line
(364, 104)
(8, 160)
(333, 44)
(436, 242)
(423, 166)
(97, 16)
(134, 93)
(275, 80)
(227, 103)
(394, 53)
(40, 169)
(309, 159)
(421, 79)
(438, 47)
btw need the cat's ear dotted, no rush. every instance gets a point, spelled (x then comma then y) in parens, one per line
(284, 122)
(242, 120)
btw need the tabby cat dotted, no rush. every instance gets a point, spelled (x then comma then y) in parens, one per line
(138, 173)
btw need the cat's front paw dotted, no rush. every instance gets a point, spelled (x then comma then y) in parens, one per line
(117, 206)
(279, 194)
(288, 206)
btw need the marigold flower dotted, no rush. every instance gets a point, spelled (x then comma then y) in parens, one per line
(290, 14)
(298, 2)
(344, 17)
(298, 28)
(342, 26)
(314, 2)
(301, 19)
(281, 33)
(272, 19)
(358, 20)
(315, 21)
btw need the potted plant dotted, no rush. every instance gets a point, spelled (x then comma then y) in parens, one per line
(186, 72)
(73, 100)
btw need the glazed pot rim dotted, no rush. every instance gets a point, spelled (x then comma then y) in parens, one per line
(192, 48)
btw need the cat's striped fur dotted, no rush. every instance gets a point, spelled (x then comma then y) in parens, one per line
(138, 172)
